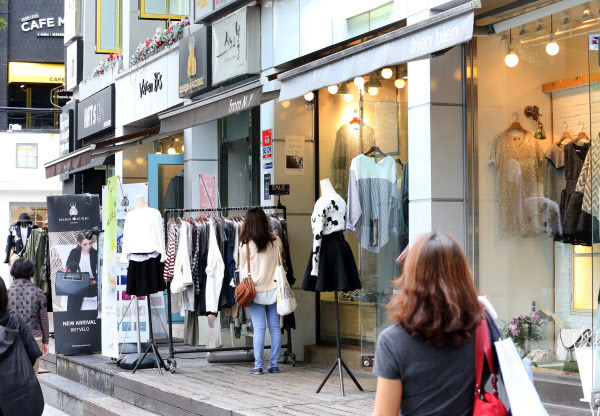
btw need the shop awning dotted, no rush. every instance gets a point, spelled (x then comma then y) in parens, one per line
(409, 43)
(36, 73)
(211, 108)
(69, 162)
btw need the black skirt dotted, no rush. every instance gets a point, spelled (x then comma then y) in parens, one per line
(145, 277)
(337, 267)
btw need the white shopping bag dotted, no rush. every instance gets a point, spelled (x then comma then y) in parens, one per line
(522, 395)
(286, 301)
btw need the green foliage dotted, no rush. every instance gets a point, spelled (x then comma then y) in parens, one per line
(3, 23)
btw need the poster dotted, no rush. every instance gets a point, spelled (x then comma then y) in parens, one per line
(207, 191)
(294, 155)
(267, 144)
(73, 250)
(109, 269)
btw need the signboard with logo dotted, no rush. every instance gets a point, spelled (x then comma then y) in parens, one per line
(194, 55)
(37, 28)
(73, 250)
(64, 138)
(96, 114)
(203, 8)
(148, 90)
(72, 21)
(73, 64)
(236, 45)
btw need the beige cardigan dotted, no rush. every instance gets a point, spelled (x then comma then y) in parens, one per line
(262, 265)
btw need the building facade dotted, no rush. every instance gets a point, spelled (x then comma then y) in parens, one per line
(295, 92)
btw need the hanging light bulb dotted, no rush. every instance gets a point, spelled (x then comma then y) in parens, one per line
(359, 82)
(511, 59)
(348, 98)
(386, 73)
(373, 91)
(309, 96)
(333, 89)
(552, 47)
(400, 83)
(171, 150)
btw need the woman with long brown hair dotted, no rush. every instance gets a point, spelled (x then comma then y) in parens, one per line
(264, 250)
(425, 361)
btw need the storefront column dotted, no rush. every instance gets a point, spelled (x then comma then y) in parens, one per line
(435, 146)
(201, 155)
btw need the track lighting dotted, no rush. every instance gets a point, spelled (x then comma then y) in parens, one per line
(522, 33)
(343, 89)
(587, 16)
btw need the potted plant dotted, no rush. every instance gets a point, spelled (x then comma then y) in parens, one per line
(523, 330)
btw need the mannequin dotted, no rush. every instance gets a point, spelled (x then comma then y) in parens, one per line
(326, 187)
(18, 233)
(140, 202)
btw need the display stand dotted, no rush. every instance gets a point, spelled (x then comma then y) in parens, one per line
(287, 355)
(339, 362)
(159, 361)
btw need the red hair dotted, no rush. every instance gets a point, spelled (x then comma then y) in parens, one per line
(436, 298)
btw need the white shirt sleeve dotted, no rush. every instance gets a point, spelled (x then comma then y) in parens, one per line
(317, 220)
(353, 208)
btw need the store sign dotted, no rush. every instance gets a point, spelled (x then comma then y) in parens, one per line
(72, 21)
(152, 85)
(74, 295)
(43, 26)
(149, 89)
(73, 64)
(64, 138)
(193, 63)
(236, 45)
(96, 113)
(267, 144)
(279, 189)
(203, 8)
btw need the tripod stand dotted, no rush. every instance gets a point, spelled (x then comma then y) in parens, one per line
(339, 362)
(159, 361)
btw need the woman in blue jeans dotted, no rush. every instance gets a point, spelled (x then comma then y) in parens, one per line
(263, 250)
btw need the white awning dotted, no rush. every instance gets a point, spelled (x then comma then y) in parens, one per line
(442, 31)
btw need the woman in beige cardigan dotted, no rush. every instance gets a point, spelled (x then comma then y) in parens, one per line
(265, 250)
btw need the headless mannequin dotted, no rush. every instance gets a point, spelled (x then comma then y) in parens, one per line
(326, 187)
(24, 232)
(140, 202)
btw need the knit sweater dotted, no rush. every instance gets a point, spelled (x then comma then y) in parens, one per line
(143, 233)
(262, 265)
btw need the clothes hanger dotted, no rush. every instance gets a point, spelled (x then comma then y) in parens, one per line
(376, 149)
(565, 135)
(582, 134)
(515, 125)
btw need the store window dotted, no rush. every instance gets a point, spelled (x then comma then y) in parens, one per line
(27, 155)
(164, 9)
(108, 26)
(24, 95)
(537, 122)
(37, 213)
(363, 128)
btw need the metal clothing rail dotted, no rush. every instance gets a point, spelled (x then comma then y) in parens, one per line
(172, 213)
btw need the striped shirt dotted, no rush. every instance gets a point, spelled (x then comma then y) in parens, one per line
(372, 211)
(171, 249)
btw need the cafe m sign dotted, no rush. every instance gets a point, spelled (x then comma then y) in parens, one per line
(96, 114)
(43, 26)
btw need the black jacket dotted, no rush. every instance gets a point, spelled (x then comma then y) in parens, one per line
(75, 257)
(20, 391)
(14, 240)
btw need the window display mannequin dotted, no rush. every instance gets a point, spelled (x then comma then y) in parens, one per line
(144, 248)
(18, 233)
(331, 265)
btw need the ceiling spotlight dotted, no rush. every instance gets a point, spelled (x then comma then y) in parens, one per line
(539, 29)
(309, 96)
(333, 89)
(159, 150)
(359, 82)
(348, 97)
(343, 90)
(504, 38)
(386, 73)
(566, 23)
(552, 46)
(587, 16)
(400, 83)
(404, 74)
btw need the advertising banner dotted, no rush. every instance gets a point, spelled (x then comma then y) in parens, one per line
(74, 272)
(110, 315)
(294, 155)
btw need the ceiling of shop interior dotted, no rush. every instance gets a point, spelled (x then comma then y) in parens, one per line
(493, 11)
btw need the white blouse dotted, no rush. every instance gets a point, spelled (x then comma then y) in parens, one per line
(328, 217)
(143, 234)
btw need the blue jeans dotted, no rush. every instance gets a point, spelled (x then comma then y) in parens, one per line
(258, 314)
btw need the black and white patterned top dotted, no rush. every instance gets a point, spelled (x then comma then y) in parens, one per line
(328, 217)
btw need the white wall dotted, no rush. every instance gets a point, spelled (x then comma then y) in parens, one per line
(20, 185)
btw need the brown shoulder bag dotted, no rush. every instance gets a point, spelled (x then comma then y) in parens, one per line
(245, 291)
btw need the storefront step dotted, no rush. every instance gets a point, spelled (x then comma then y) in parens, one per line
(325, 354)
(558, 389)
(556, 410)
(78, 400)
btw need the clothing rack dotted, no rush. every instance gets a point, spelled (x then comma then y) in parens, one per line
(171, 213)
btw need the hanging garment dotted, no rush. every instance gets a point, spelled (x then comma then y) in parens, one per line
(336, 268)
(35, 250)
(347, 146)
(170, 255)
(14, 241)
(571, 201)
(403, 221)
(589, 180)
(215, 269)
(174, 195)
(554, 181)
(182, 279)
(372, 210)
(143, 233)
(518, 160)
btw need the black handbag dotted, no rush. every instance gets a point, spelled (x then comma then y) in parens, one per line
(75, 284)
